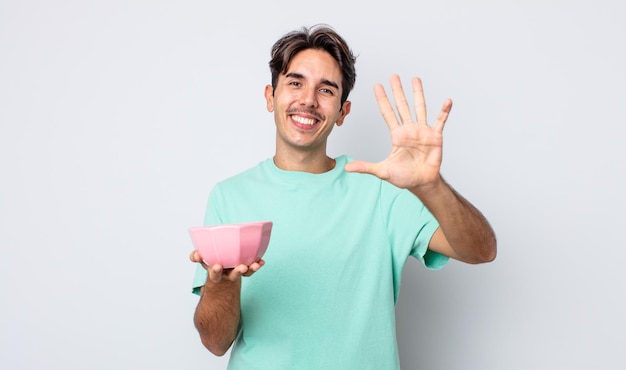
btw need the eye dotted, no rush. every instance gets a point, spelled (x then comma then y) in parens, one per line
(327, 91)
(295, 83)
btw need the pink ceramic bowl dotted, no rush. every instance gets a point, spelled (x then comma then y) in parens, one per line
(231, 244)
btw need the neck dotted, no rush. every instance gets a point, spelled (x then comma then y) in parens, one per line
(304, 162)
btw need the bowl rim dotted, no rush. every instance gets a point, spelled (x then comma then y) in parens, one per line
(230, 225)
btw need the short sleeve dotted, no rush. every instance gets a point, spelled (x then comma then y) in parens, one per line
(411, 226)
(199, 279)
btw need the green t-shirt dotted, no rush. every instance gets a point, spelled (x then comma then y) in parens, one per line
(325, 298)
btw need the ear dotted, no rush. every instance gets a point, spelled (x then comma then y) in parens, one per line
(269, 97)
(345, 109)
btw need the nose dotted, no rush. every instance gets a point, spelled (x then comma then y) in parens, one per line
(308, 97)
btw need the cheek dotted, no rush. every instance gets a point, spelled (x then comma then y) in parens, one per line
(333, 110)
(278, 102)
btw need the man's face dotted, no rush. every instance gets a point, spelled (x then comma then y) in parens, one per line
(306, 101)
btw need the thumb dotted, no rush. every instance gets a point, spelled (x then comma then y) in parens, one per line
(363, 167)
(194, 256)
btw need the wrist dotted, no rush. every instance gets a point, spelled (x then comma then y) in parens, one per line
(430, 189)
(222, 284)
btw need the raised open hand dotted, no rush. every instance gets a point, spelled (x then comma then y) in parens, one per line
(416, 152)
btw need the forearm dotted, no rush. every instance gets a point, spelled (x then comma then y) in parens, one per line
(466, 230)
(217, 315)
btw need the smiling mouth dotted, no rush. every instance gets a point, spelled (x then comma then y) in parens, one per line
(305, 117)
(304, 121)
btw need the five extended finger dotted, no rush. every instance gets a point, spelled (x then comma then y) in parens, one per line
(420, 101)
(385, 106)
(402, 105)
(443, 115)
(376, 169)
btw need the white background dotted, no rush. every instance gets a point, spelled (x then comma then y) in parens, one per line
(118, 117)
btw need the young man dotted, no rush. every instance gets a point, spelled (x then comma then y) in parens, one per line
(343, 229)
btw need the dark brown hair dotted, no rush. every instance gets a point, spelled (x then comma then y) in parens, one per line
(319, 37)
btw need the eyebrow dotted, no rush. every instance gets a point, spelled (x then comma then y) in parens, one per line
(324, 82)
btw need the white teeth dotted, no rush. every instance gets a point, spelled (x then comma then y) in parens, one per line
(304, 121)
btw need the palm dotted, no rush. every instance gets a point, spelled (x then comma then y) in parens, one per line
(416, 154)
